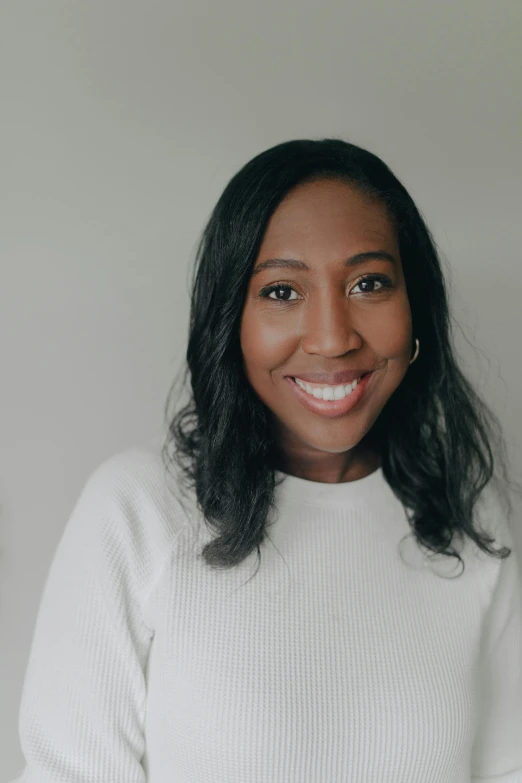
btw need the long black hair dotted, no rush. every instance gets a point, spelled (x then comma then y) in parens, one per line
(436, 436)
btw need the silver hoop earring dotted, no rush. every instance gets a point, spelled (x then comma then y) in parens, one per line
(416, 352)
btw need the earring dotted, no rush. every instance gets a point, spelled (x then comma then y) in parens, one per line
(416, 352)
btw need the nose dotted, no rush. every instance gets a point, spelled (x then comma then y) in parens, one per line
(328, 326)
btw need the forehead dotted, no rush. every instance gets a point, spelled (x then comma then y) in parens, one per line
(329, 211)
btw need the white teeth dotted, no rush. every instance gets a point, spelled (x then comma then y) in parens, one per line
(328, 392)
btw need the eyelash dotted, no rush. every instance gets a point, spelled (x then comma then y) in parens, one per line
(264, 293)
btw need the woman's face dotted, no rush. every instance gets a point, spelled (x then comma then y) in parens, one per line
(327, 318)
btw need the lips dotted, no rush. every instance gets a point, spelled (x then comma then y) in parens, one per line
(347, 376)
(332, 408)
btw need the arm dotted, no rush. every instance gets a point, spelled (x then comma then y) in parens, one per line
(497, 749)
(84, 695)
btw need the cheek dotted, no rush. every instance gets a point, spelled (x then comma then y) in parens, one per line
(265, 346)
(395, 342)
(391, 334)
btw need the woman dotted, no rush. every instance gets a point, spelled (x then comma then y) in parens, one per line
(288, 608)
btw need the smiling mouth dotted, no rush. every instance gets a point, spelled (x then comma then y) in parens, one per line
(332, 407)
(328, 391)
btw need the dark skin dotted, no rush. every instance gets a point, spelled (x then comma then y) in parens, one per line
(330, 320)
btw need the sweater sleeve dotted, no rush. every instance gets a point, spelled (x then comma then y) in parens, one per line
(83, 700)
(497, 748)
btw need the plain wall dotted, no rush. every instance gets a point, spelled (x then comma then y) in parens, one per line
(121, 123)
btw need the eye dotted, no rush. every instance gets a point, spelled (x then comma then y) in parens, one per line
(384, 282)
(265, 292)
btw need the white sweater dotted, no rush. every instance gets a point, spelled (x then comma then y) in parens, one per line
(338, 662)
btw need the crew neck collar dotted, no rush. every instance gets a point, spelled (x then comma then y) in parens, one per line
(296, 489)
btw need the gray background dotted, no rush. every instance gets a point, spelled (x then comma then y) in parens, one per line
(121, 123)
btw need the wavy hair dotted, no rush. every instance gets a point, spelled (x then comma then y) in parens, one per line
(440, 444)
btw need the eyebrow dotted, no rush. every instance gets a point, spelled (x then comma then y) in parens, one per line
(292, 263)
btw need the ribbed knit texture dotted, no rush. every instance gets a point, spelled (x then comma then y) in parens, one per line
(338, 662)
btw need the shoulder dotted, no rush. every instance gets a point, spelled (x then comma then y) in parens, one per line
(129, 476)
(492, 515)
(129, 503)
